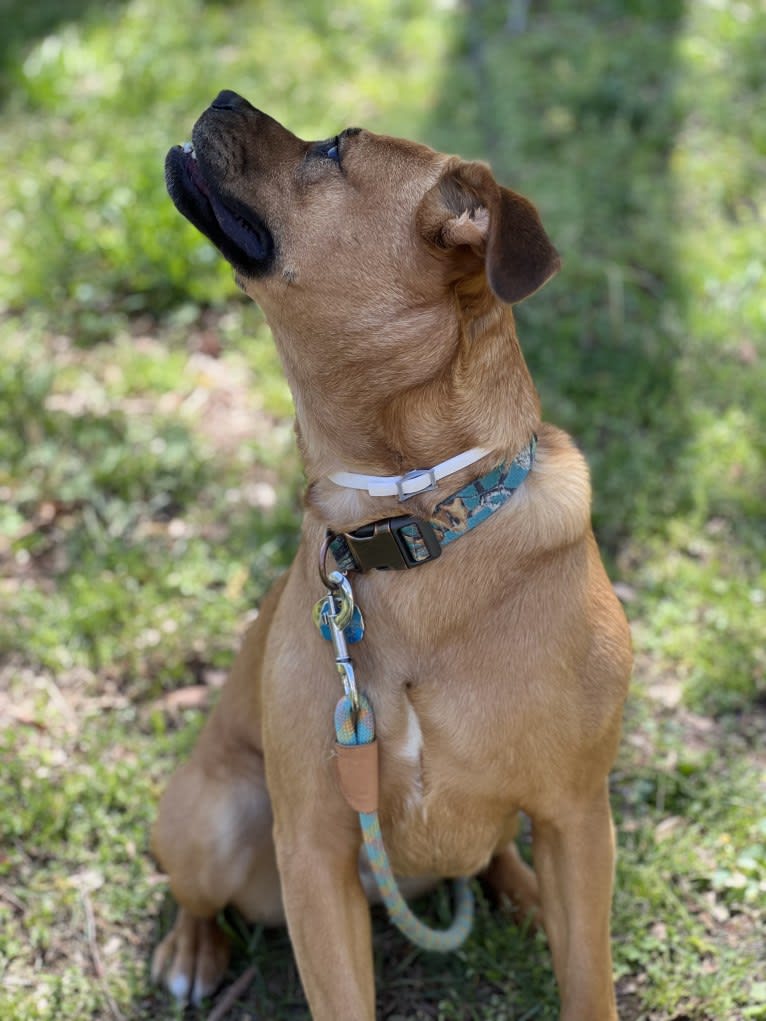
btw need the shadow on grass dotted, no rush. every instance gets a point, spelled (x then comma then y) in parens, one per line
(578, 111)
(468, 985)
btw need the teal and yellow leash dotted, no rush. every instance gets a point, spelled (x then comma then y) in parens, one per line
(341, 622)
(358, 728)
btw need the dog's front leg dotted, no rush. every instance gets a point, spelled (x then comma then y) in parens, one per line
(574, 861)
(317, 835)
(329, 920)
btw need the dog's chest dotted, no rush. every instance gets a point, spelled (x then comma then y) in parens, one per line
(446, 793)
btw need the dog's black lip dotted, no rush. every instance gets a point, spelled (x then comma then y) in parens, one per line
(192, 168)
(218, 216)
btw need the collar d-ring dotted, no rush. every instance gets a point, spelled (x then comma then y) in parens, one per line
(327, 579)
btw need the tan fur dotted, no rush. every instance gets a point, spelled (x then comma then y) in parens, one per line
(497, 673)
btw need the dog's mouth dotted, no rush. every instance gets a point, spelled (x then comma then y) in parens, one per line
(237, 231)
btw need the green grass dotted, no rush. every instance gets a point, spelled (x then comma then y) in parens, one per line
(150, 490)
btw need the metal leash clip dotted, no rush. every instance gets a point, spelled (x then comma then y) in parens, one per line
(331, 615)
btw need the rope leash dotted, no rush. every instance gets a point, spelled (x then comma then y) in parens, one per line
(357, 728)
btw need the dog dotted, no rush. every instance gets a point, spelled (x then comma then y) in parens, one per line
(497, 665)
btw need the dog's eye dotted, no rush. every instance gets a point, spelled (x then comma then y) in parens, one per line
(330, 150)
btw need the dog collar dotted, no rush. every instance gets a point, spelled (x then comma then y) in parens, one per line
(402, 542)
(421, 480)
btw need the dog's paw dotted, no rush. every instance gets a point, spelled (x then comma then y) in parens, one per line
(512, 884)
(192, 959)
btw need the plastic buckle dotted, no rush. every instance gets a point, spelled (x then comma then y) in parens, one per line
(382, 546)
(417, 473)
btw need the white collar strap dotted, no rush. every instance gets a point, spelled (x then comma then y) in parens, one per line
(421, 480)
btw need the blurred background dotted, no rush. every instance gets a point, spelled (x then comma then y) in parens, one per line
(150, 490)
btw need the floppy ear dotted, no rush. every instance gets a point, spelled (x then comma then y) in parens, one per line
(467, 207)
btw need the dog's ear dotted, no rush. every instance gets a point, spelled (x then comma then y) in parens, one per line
(467, 208)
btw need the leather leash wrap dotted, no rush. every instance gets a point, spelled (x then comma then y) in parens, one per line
(356, 760)
(354, 731)
(357, 769)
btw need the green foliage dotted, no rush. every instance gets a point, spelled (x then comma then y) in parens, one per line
(99, 102)
(127, 502)
(75, 836)
(149, 488)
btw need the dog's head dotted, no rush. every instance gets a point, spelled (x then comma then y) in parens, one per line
(362, 222)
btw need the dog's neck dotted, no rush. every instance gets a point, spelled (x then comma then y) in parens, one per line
(459, 381)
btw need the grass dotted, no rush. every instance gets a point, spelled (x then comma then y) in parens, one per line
(150, 491)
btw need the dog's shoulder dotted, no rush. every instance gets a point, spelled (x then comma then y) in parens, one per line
(556, 497)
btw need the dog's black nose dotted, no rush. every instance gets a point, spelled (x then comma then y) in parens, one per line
(228, 100)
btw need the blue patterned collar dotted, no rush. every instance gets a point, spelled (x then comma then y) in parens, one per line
(402, 542)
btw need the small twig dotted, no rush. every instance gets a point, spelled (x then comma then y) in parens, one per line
(12, 899)
(71, 721)
(232, 994)
(90, 933)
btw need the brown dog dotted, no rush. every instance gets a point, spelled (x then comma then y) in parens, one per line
(497, 672)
